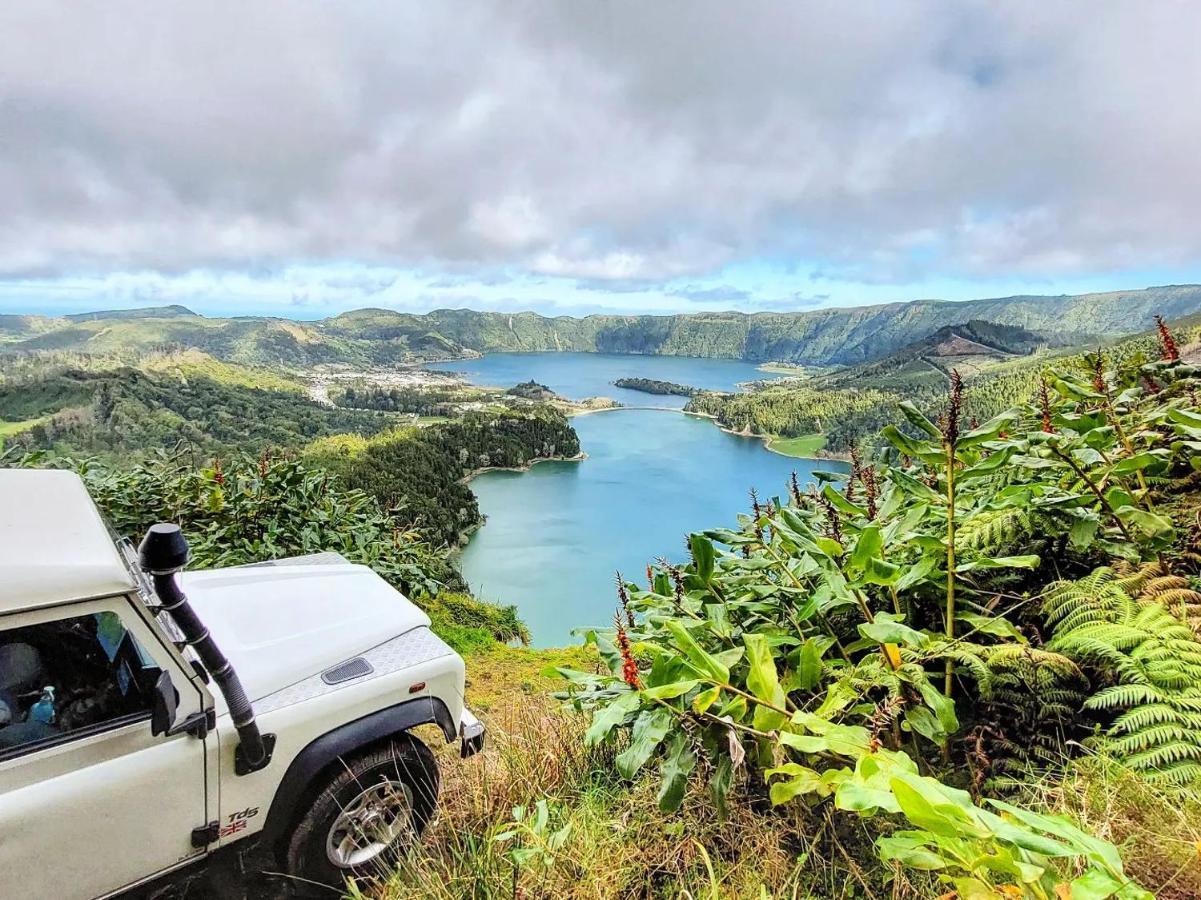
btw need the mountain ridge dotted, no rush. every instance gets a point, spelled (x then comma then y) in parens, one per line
(375, 337)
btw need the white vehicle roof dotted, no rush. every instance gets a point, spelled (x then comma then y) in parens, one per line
(54, 546)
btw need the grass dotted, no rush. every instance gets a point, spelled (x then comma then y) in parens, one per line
(11, 429)
(1157, 830)
(615, 843)
(805, 445)
(194, 363)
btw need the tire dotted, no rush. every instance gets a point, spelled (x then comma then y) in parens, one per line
(366, 812)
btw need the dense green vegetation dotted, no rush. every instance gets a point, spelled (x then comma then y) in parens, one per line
(420, 472)
(851, 406)
(122, 409)
(375, 337)
(653, 386)
(367, 485)
(531, 390)
(893, 647)
(423, 401)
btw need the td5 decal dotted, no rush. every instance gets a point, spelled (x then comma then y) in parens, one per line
(237, 821)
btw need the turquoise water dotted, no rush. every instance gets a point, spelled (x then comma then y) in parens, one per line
(556, 533)
(580, 375)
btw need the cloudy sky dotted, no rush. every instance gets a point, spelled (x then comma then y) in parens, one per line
(305, 158)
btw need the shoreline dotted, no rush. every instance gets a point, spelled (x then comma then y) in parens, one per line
(465, 535)
(766, 439)
(579, 457)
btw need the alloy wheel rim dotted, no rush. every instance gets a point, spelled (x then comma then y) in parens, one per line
(369, 824)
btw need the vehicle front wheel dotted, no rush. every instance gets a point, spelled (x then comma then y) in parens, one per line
(369, 810)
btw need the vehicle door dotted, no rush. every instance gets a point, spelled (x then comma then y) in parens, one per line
(90, 800)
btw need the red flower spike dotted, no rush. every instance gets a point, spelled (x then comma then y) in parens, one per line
(629, 668)
(1167, 344)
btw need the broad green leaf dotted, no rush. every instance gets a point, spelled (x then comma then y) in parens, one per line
(987, 466)
(910, 848)
(903, 442)
(989, 429)
(1185, 417)
(1152, 525)
(922, 721)
(799, 780)
(1138, 463)
(926, 803)
(889, 629)
(942, 706)
(1028, 561)
(648, 732)
(997, 626)
(857, 796)
(809, 667)
(917, 572)
(763, 681)
(869, 546)
(840, 502)
(606, 718)
(701, 660)
(804, 743)
(669, 691)
(1033, 462)
(879, 571)
(918, 420)
(678, 763)
(702, 555)
(915, 488)
(720, 783)
(702, 701)
(1083, 532)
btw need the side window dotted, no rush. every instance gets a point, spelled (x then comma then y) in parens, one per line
(70, 678)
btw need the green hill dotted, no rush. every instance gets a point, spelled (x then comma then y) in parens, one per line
(380, 337)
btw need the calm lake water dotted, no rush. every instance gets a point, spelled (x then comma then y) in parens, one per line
(556, 534)
(580, 375)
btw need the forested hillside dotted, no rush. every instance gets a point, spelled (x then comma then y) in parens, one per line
(377, 337)
(420, 472)
(850, 406)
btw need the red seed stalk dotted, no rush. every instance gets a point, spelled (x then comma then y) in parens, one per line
(872, 489)
(629, 668)
(1167, 344)
(1044, 402)
(758, 513)
(218, 475)
(794, 488)
(1097, 363)
(948, 422)
(833, 522)
(856, 474)
(1152, 386)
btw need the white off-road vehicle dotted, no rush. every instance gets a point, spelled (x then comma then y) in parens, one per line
(150, 717)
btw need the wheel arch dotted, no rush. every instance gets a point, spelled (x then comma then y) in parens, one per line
(346, 740)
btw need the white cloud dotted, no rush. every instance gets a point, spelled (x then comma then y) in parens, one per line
(607, 142)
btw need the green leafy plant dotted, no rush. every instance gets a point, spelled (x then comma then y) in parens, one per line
(803, 645)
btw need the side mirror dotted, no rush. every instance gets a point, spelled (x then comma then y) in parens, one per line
(165, 701)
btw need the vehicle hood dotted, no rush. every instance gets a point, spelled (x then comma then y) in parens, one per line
(279, 624)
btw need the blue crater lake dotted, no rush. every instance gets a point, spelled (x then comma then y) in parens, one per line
(580, 375)
(556, 534)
